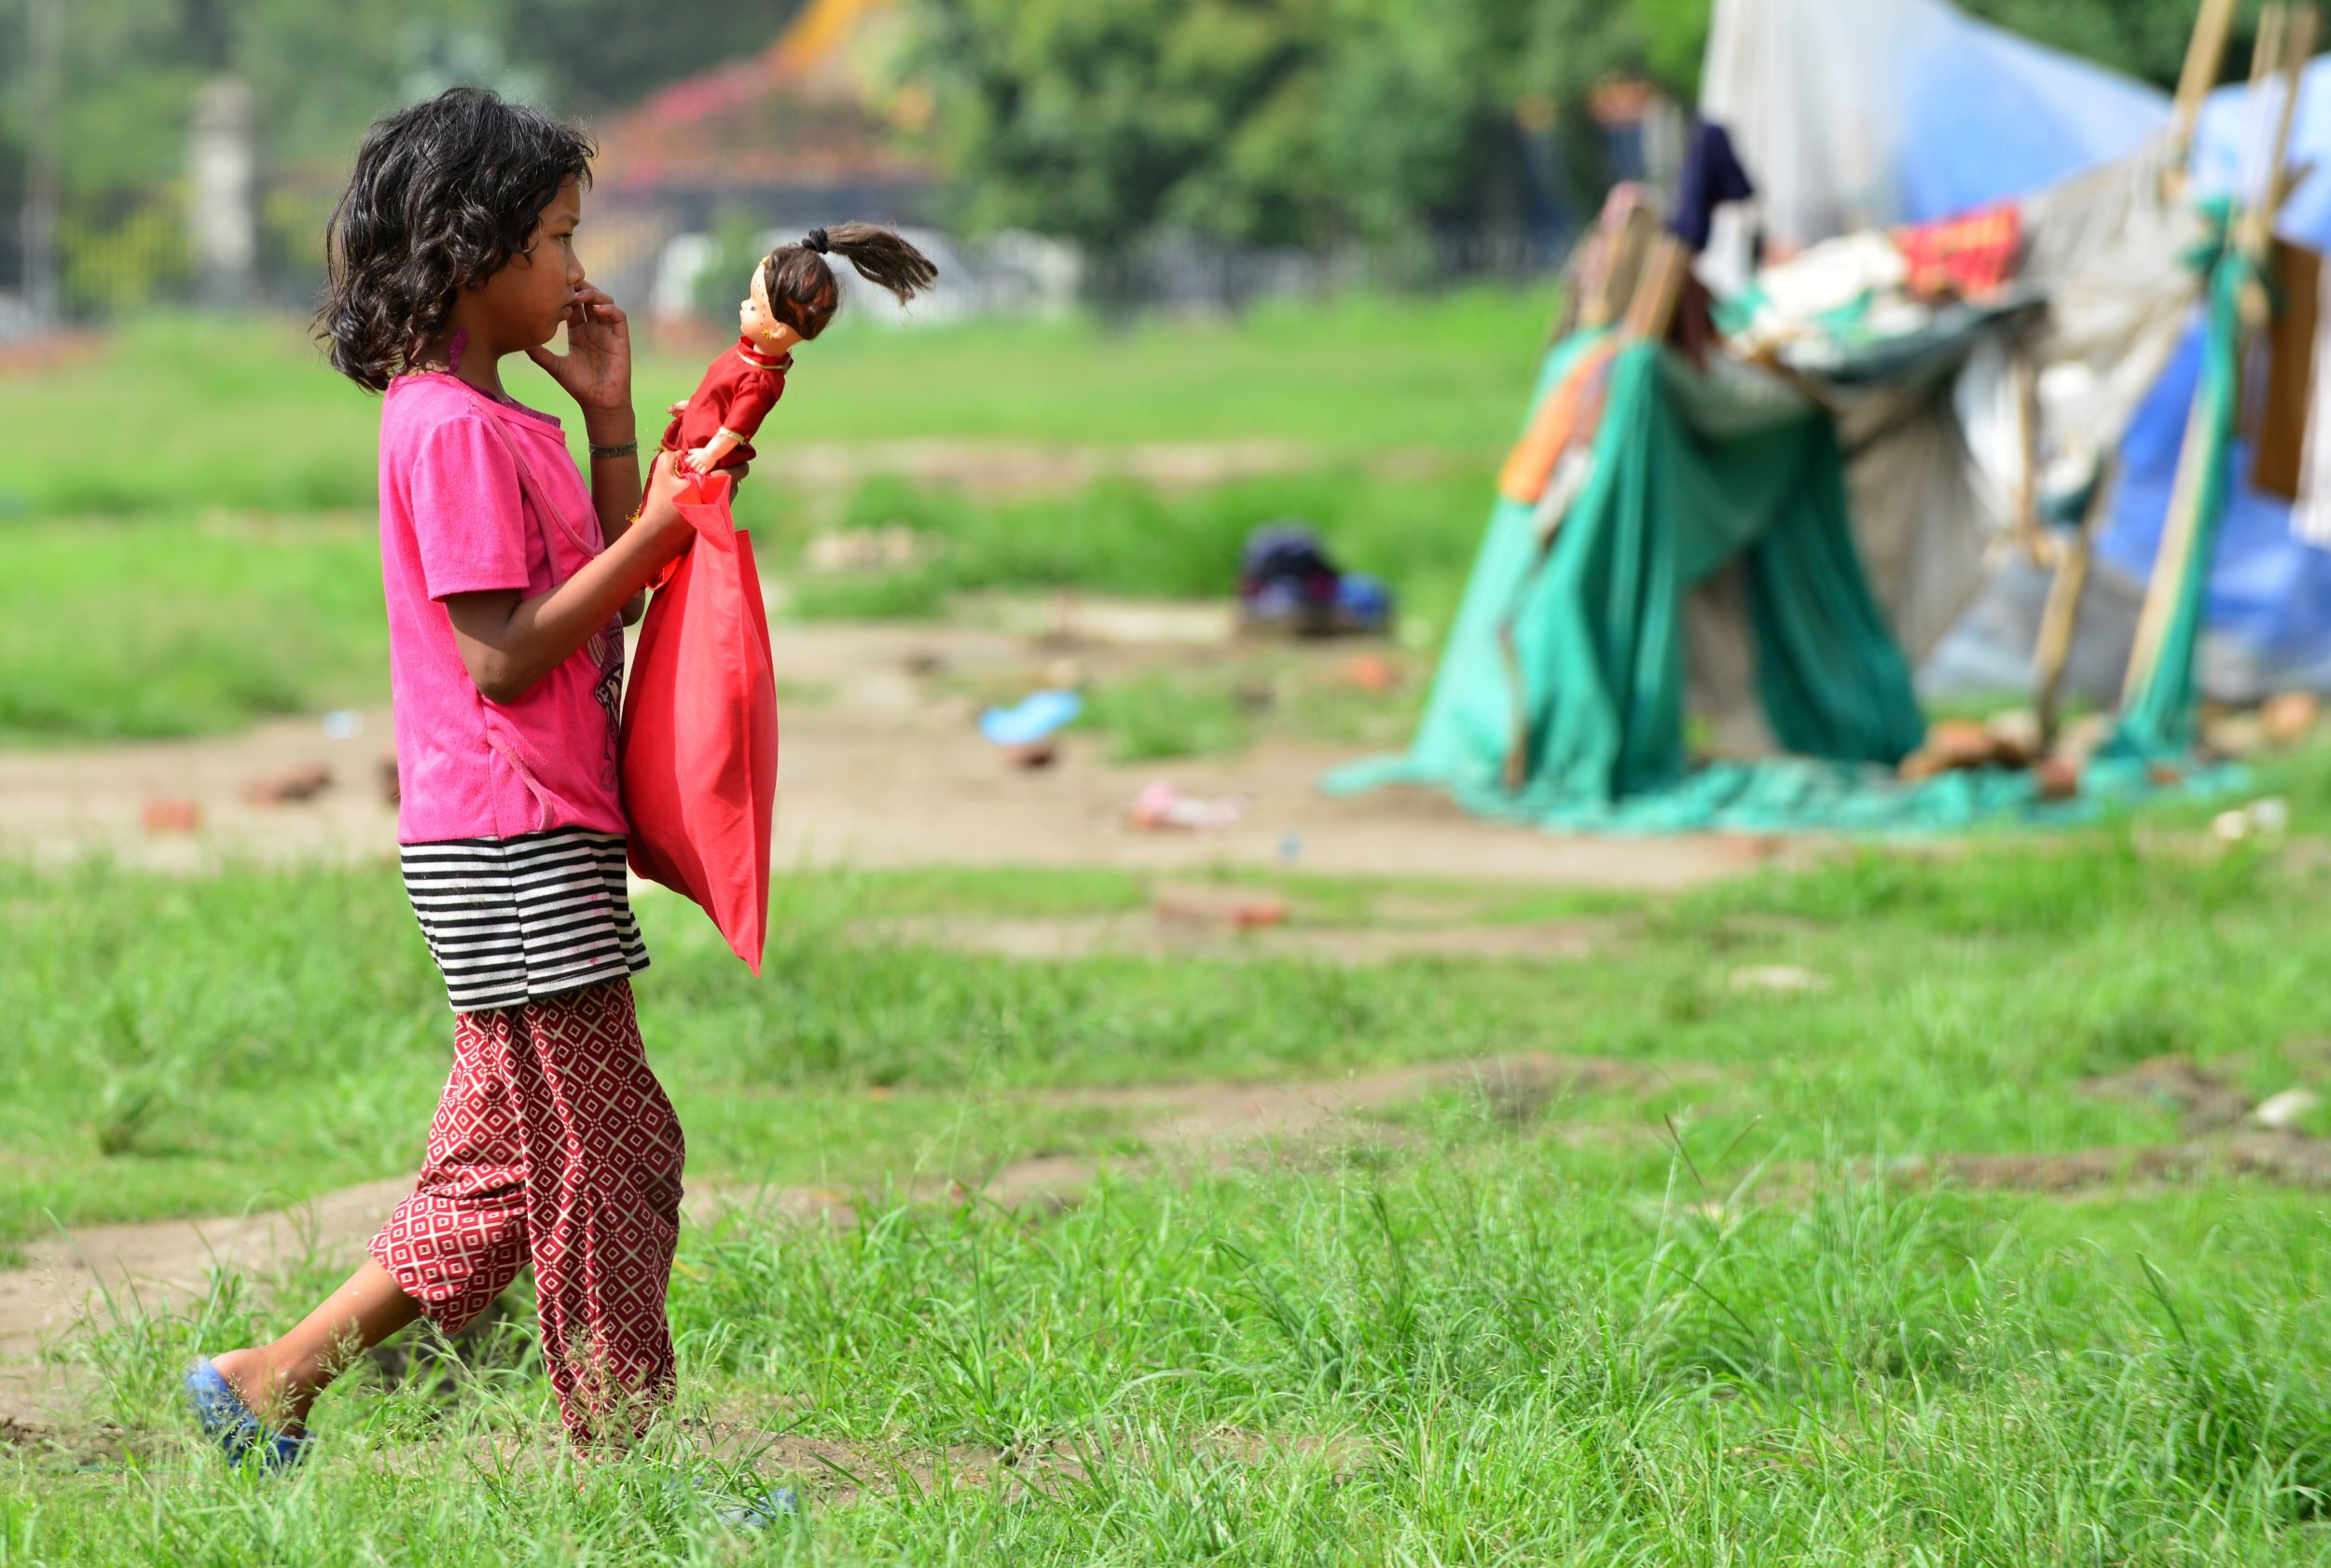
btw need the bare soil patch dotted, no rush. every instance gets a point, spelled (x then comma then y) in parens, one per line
(164, 1264)
(2284, 1158)
(1223, 1117)
(2202, 1103)
(2227, 1135)
(1144, 934)
(886, 769)
(1217, 1125)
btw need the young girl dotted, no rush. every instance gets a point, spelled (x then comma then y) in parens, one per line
(507, 585)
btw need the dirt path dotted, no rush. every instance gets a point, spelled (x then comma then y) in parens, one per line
(881, 767)
(1146, 934)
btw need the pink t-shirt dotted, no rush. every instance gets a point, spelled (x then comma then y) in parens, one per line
(455, 518)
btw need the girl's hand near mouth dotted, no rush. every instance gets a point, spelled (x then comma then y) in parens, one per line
(596, 369)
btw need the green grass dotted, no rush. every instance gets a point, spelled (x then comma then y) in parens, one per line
(1120, 537)
(154, 626)
(177, 414)
(159, 625)
(1672, 1327)
(1967, 997)
(1498, 1356)
(1968, 994)
(229, 573)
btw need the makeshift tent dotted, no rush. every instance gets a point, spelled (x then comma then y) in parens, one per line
(1940, 452)
(1690, 476)
(1560, 697)
(1708, 510)
(1860, 113)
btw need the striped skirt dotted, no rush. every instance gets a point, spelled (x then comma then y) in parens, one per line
(512, 920)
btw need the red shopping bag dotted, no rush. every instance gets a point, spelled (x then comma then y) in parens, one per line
(699, 727)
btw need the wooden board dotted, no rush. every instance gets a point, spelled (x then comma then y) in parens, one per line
(2289, 383)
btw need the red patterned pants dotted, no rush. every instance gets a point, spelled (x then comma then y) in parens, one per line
(553, 1142)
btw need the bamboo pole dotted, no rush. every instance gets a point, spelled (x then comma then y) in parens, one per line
(2290, 39)
(2298, 49)
(2027, 415)
(2060, 617)
(1653, 309)
(2174, 556)
(2060, 623)
(2205, 52)
(1628, 250)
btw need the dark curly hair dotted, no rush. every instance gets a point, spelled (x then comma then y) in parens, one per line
(445, 193)
(800, 284)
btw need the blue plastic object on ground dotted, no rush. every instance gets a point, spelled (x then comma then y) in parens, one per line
(1362, 603)
(1034, 719)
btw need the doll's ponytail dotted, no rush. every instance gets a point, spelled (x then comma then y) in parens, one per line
(801, 285)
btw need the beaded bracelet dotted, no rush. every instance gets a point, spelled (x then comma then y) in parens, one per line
(628, 450)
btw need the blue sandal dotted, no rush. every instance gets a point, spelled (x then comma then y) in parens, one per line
(742, 1511)
(230, 1424)
(762, 1510)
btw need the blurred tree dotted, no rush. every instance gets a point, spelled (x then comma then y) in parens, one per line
(1417, 120)
(1287, 121)
(15, 99)
(210, 39)
(321, 73)
(602, 54)
(2141, 37)
(1430, 102)
(1297, 120)
(1102, 120)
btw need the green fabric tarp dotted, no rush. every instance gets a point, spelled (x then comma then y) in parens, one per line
(1678, 488)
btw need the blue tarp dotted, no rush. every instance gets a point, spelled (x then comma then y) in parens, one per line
(1987, 115)
(2269, 590)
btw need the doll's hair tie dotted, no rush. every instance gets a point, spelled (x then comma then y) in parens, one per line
(816, 241)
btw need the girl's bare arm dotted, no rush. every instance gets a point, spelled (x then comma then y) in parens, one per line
(508, 641)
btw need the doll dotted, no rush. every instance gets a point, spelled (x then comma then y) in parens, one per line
(793, 293)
